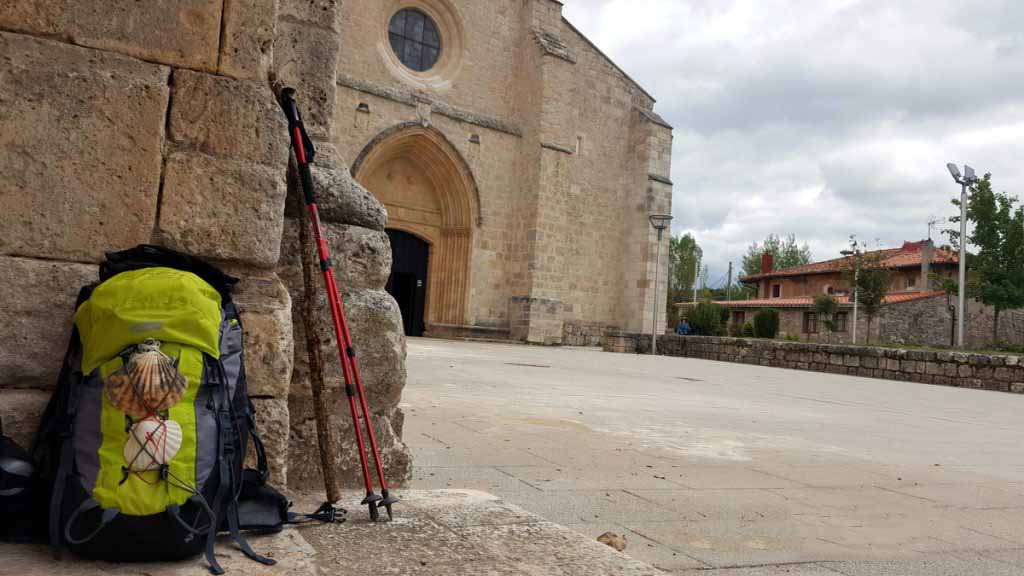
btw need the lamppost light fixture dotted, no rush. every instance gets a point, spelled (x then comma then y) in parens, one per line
(660, 221)
(954, 171)
(969, 174)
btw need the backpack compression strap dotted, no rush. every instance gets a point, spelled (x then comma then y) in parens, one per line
(229, 485)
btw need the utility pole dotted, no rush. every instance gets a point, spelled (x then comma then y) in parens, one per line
(728, 287)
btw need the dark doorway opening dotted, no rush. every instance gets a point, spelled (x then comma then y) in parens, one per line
(408, 281)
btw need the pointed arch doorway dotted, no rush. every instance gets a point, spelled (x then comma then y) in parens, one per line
(431, 199)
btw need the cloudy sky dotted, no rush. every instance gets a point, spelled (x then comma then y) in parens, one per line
(822, 118)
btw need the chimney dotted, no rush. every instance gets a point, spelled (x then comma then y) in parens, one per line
(767, 262)
(927, 254)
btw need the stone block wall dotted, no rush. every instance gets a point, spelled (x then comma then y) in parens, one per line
(535, 320)
(579, 333)
(130, 122)
(1002, 373)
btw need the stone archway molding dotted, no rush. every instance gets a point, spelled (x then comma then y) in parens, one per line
(451, 237)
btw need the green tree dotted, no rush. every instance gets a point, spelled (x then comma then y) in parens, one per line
(870, 280)
(787, 253)
(766, 323)
(826, 306)
(685, 257)
(997, 270)
(706, 319)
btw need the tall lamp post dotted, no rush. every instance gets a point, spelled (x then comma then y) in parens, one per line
(660, 223)
(967, 179)
(855, 252)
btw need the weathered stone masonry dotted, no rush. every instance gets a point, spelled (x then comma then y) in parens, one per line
(982, 371)
(125, 122)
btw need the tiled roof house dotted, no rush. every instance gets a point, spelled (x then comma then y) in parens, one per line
(910, 307)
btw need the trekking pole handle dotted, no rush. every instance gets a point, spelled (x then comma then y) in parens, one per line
(301, 143)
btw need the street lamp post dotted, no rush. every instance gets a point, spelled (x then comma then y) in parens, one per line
(660, 223)
(968, 179)
(855, 252)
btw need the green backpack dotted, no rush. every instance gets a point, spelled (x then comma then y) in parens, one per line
(142, 443)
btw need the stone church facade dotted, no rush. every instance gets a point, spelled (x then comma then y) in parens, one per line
(519, 157)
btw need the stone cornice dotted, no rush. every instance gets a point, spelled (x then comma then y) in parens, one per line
(411, 98)
(557, 148)
(659, 178)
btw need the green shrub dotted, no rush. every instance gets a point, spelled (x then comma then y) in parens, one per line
(747, 331)
(735, 330)
(766, 323)
(792, 337)
(706, 319)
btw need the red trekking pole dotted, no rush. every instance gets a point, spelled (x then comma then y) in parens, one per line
(304, 152)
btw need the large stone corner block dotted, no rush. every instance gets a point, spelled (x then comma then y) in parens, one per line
(37, 301)
(20, 413)
(182, 33)
(228, 118)
(266, 309)
(248, 40)
(80, 145)
(306, 57)
(222, 209)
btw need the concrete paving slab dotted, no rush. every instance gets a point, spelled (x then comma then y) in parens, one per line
(933, 565)
(860, 500)
(824, 474)
(1014, 556)
(485, 478)
(644, 549)
(846, 455)
(961, 496)
(613, 477)
(773, 570)
(725, 542)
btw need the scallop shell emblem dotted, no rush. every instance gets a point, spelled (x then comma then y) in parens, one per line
(147, 384)
(152, 442)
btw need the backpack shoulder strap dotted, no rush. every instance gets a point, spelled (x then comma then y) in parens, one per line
(53, 437)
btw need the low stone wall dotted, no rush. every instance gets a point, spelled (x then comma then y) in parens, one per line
(580, 333)
(983, 371)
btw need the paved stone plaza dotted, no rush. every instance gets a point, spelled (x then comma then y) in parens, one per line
(709, 465)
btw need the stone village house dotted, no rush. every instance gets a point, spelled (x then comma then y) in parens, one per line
(913, 311)
(486, 152)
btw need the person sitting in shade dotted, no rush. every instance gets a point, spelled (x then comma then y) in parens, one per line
(683, 327)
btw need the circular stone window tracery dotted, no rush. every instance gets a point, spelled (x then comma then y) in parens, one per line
(414, 39)
(421, 41)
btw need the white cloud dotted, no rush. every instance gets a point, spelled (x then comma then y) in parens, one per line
(822, 118)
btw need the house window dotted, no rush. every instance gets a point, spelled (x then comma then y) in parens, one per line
(830, 290)
(840, 320)
(912, 281)
(810, 322)
(776, 290)
(739, 317)
(414, 39)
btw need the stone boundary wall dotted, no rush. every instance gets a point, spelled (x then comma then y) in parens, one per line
(981, 371)
(581, 333)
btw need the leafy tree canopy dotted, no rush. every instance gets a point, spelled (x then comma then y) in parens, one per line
(786, 252)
